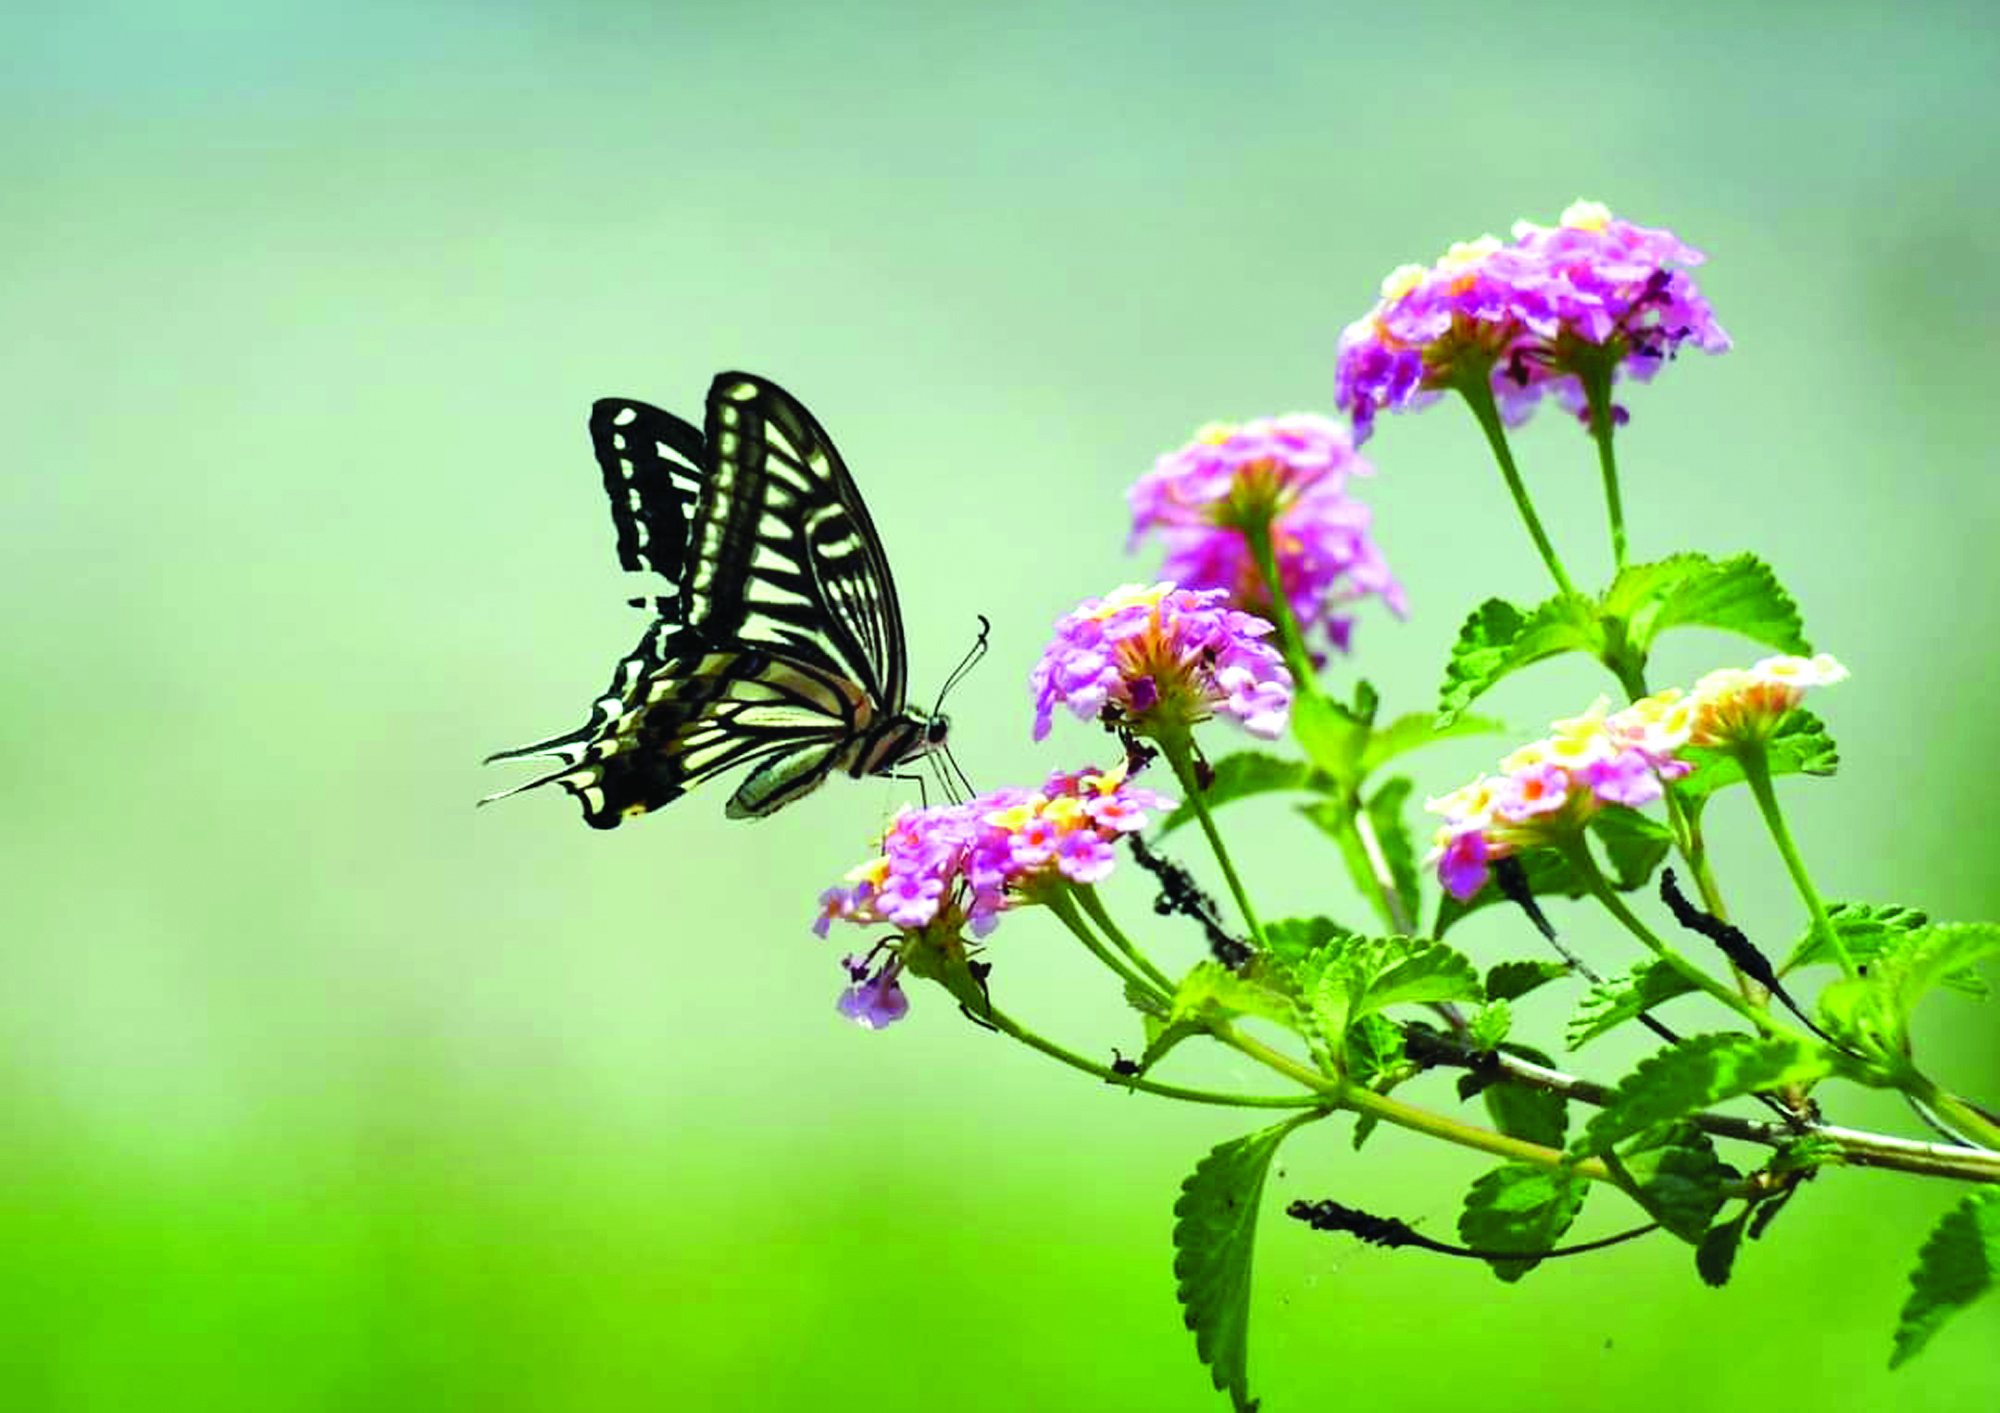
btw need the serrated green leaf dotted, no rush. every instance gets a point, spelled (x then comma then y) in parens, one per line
(1739, 595)
(1699, 1071)
(1490, 1025)
(1518, 1207)
(1510, 981)
(1417, 730)
(1867, 931)
(1215, 1237)
(1424, 972)
(1921, 961)
(1499, 638)
(1296, 938)
(1245, 773)
(1385, 812)
(1622, 998)
(1800, 747)
(1681, 1181)
(1527, 1112)
(1715, 1258)
(1375, 1060)
(1211, 991)
(1956, 1266)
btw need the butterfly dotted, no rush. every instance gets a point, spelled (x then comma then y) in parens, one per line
(778, 643)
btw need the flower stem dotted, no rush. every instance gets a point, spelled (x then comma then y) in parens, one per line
(1087, 898)
(1424, 1121)
(1177, 748)
(1258, 535)
(1576, 850)
(1756, 764)
(1007, 1026)
(1478, 394)
(1595, 375)
(1060, 902)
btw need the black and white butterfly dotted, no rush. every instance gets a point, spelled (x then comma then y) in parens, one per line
(779, 643)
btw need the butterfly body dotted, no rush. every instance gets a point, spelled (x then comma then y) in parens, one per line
(778, 642)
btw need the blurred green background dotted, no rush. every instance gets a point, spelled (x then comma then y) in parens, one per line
(322, 1091)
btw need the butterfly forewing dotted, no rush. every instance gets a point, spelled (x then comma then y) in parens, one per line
(652, 463)
(782, 644)
(784, 550)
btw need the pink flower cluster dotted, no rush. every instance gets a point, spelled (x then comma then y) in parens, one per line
(1527, 313)
(961, 866)
(1552, 787)
(1165, 658)
(1285, 473)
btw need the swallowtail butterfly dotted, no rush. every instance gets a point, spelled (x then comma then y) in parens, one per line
(778, 644)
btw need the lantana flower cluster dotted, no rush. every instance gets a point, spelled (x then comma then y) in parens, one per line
(1162, 659)
(1527, 314)
(1550, 788)
(1284, 474)
(947, 869)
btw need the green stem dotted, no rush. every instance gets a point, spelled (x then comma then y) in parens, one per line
(1007, 1026)
(1175, 746)
(1059, 902)
(1478, 395)
(1290, 638)
(1408, 1116)
(1093, 906)
(1757, 770)
(1968, 1119)
(1577, 851)
(1367, 862)
(1595, 376)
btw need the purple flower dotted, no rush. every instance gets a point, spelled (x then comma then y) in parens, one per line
(1528, 316)
(1164, 658)
(1462, 866)
(873, 1002)
(952, 869)
(1285, 473)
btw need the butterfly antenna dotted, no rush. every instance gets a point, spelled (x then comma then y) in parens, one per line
(966, 663)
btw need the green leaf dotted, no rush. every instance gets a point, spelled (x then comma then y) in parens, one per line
(1417, 730)
(1490, 1026)
(1211, 991)
(1499, 639)
(1621, 999)
(1800, 747)
(1215, 1236)
(1518, 1207)
(1245, 773)
(1715, 1258)
(1510, 981)
(1330, 736)
(1681, 1181)
(1527, 1112)
(1385, 812)
(1955, 1268)
(1375, 1060)
(1696, 1073)
(1865, 929)
(1739, 594)
(1634, 845)
(1162, 1036)
(1404, 971)
(1919, 962)
(1296, 938)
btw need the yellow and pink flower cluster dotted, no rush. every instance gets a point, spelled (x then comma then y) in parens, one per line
(1550, 788)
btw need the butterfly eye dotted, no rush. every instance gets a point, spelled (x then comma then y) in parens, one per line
(939, 728)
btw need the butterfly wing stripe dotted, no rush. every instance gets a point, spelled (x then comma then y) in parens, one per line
(653, 465)
(781, 524)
